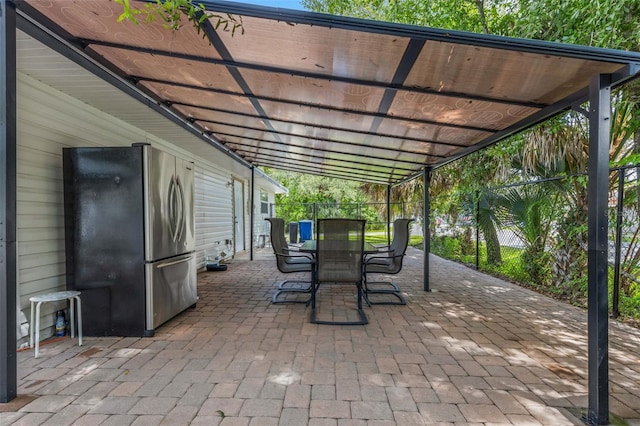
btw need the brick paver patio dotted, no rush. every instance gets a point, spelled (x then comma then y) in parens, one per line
(477, 350)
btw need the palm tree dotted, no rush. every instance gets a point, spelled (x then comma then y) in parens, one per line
(527, 211)
(560, 147)
(487, 221)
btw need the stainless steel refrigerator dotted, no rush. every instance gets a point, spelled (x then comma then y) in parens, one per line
(129, 236)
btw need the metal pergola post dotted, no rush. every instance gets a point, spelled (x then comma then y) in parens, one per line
(426, 179)
(251, 213)
(477, 220)
(615, 309)
(8, 281)
(598, 188)
(389, 215)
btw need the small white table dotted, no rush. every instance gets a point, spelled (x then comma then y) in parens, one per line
(54, 297)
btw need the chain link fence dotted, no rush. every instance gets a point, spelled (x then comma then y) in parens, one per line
(535, 233)
(295, 214)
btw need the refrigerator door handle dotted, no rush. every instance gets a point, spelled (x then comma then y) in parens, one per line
(172, 209)
(175, 262)
(180, 219)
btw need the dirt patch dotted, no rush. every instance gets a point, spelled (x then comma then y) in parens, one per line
(17, 403)
(90, 352)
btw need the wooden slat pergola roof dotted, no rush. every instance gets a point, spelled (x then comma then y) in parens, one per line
(340, 97)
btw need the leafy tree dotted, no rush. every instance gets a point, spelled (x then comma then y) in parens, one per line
(467, 15)
(609, 24)
(172, 12)
(605, 23)
(560, 147)
(487, 224)
(334, 197)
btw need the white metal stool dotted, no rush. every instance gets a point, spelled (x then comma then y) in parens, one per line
(54, 297)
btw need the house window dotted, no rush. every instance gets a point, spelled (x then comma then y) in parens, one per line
(264, 202)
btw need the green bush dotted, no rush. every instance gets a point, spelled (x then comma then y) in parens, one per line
(447, 247)
(537, 265)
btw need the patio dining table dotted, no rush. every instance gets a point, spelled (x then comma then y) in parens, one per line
(309, 246)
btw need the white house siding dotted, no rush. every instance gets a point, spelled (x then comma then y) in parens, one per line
(48, 121)
(261, 226)
(213, 212)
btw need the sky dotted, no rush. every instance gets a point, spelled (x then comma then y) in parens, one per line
(287, 4)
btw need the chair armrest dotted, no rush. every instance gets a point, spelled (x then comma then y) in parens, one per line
(380, 254)
(298, 256)
(382, 251)
(369, 259)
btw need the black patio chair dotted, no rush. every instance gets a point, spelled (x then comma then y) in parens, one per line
(339, 257)
(388, 260)
(287, 262)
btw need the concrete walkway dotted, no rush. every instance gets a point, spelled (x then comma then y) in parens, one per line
(477, 350)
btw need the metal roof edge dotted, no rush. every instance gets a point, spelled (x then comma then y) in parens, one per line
(411, 177)
(424, 33)
(271, 180)
(629, 72)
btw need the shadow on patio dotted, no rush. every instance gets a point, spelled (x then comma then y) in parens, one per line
(476, 350)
